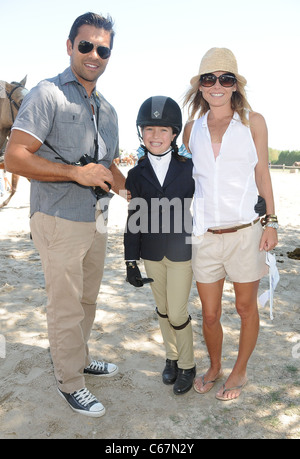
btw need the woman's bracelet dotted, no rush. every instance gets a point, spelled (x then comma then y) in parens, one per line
(272, 225)
(270, 221)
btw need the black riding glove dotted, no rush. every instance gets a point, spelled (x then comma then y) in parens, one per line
(134, 276)
(260, 206)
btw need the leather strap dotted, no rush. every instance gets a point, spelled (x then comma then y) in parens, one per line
(180, 327)
(164, 316)
(233, 229)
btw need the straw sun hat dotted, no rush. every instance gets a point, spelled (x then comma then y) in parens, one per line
(218, 59)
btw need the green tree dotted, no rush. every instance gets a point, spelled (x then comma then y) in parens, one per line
(273, 155)
(288, 157)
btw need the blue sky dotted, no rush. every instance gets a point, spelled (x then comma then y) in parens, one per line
(158, 48)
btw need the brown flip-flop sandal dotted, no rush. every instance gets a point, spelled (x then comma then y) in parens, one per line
(220, 375)
(225, 399)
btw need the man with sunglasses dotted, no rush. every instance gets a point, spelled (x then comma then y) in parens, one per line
(63, 120)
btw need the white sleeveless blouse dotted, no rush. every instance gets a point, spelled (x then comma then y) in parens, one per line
(226, 191)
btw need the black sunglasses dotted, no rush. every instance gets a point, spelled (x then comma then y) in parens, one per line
(85, 47)
(209, 79)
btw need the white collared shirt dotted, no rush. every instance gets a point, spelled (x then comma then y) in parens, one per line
(160, 165)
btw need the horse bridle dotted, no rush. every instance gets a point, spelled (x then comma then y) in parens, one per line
(12, 101)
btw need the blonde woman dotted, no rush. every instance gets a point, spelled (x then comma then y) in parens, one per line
(229, 146)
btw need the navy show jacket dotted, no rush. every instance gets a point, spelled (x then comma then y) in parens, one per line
(161, 225)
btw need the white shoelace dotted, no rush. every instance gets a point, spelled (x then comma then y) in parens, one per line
(96, 365)
(84, 397)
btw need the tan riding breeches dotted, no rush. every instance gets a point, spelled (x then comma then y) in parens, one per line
(171, 290)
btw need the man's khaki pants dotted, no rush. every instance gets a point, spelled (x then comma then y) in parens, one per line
(171, 290)
(72, 255)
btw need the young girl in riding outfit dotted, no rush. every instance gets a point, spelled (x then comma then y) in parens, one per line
(158, 230)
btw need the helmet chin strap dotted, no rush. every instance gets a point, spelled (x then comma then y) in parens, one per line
(139, 134)
(163, 154)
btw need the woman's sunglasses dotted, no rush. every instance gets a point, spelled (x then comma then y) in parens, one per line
(209, 79)
(85, 47)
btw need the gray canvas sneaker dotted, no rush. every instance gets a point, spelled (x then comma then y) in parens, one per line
(98, 368)
(83, 402)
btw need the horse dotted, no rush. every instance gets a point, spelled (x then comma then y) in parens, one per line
(11, 97)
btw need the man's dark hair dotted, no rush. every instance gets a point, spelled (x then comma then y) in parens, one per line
(95, 20)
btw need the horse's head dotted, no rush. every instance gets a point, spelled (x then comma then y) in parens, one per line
(11, 97)
(16, 92)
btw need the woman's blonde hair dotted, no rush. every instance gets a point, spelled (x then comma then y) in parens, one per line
(198, 106)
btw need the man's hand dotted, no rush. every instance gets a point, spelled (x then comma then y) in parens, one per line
(21, 160)
(93, 175)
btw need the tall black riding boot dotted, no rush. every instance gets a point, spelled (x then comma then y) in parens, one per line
(184, 381)
(169, 374)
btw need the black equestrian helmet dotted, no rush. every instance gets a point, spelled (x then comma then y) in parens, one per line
(160, 111)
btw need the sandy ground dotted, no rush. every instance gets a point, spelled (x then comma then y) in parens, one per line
(138, 405)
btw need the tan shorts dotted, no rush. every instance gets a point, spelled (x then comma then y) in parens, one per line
(236, 255)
